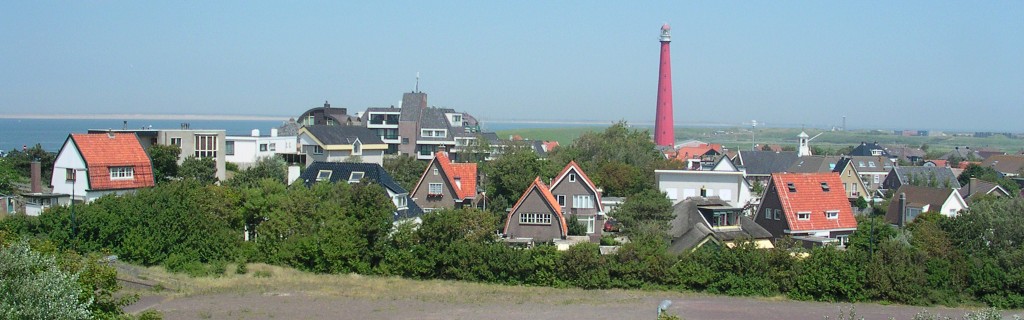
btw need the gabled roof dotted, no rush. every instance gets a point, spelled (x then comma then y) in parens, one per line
(1011, 164)
(841, 165)
(865, 149)
(869, 164)
(696, 152)
(101, 151)
(977, 187)
(689, 227)
(341, 135)
(574, 167)
(464, 172)
(919, 196)
(809, 196)
(548, 198)
(725, 165)
(766, 162)
(943, 176)
(811, 164)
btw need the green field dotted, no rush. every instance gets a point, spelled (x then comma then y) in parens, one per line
(737, 138)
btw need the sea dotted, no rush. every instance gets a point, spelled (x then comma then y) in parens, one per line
(51, 133)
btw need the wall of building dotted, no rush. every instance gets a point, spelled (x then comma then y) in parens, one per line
(680, 184)
(534, 203)
(447, 198)
(70, 158)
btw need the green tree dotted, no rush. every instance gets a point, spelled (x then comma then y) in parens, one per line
(648, 206)
(575, 227)
(33, 287)
(165, 161)
(620, 159)
(405, 169)
(513, 171)
(203, 170)
(272, 168)
(21, 161)
(8, 176)
(987, 174)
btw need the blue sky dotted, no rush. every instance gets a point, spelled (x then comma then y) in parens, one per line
(906, 64)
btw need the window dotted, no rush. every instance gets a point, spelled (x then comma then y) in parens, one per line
(778, 214)
(263, 147)
(871, 164)
(436, 171)
(582, 201)
(122, 173)
(572, 177)
(589, 222)
(400, 201)
(832, 214)
(561, 200)
(803, 216)
(791, 186)
(824, 187)
(357, 148)
(176, 142)
(534, 218)
(206, 146)
(323, 175)
(876, 179)
(434, 189)
(355, 176)
(767, 213)
(843, 240)
(273, 147)
(229, 148)
(318, 150)
(70, 174)
(456, 119)
(310, 120)
(431, 133)
(330, 121)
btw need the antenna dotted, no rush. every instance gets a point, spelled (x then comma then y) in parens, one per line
(417, 81)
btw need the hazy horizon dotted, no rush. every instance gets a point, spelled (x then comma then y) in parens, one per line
(883, 65)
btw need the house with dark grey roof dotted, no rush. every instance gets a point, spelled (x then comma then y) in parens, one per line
(872, 169)
(936, 177)
(812, 164)
(978, 188)
(759, 165)
(866, 149)
(328, 116)
(698, 221)
(416, 129)
(340, 144)
(909, 201)
(1006, 165)
(345, 172)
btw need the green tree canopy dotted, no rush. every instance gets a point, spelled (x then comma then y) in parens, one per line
(272, 168)
(21, 161)
(405, 169)
(203, 170)
(648, 206)
(165, 161)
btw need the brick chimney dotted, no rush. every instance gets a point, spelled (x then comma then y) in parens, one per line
(901, 220)
(37, 184)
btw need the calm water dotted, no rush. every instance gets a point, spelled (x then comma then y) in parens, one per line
(51, 133)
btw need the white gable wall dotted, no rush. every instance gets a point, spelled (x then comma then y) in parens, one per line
(70, 158)
(680, 184)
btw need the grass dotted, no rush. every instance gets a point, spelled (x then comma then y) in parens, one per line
(738, 138)
(285, 281)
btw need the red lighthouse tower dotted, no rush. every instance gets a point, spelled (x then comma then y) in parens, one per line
(664, 132)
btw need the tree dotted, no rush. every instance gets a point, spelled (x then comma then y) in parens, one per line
(33, 287)
(272, 168)
(648, 206)
(21, 161)
(8, 176)
(513, 171)
(405, 169)
(575, 227)
(988, 174)
(203, 170)
(603, 155)
(165, 161)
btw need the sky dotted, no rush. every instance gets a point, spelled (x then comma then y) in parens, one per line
(951, 65)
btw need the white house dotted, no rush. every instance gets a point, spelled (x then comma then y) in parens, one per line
(724, 181)
(246, 150)
(89, 166)
(341, 144)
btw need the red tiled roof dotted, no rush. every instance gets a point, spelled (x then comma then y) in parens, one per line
(696, 152)
(101, 151)
(465, 172)
(939, 163)
(550, 145)
(809, 197)
(586, 180)
(547, 197)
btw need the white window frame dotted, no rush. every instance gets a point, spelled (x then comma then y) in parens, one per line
(401, 201)
(273, 147)
(582, 201)
(206, 146)
(876, 178)
(176, 142)
(436, 171)
(832, 214)
(435, 188)
(122, 173)
(572, 177)
(561, 200)
(535, 218)
(355, 176)
(357, 148)
(321, 177)
(803, 216)
(433, 133)
(318, 150)
(589, 222)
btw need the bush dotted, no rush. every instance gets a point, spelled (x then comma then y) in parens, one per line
(33, 287)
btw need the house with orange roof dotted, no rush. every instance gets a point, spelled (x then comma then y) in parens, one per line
(698, 156)
(91, 165)
(446, 185)
(809, 207)
(576, 194)
(537, 217)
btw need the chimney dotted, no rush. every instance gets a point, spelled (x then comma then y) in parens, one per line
(273, 132)
(326, 105)
(36, 168)
(255, 132)
(901, 220)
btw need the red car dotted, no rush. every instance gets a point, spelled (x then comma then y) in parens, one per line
(611, 225)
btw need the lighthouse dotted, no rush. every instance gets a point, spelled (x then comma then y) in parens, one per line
(664, 130)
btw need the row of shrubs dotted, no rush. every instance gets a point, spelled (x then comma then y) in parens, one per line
(348, 228)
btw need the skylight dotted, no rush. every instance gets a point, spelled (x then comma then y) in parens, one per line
(824, 186)
(791, 186)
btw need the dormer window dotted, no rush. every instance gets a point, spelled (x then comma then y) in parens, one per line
(803, 216)
(791, 186)
(832, 214)
(122, 173)
(357, 148)
(824, 186)
(355, 176)
(323, 175)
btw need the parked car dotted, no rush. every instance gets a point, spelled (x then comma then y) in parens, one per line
(611, 225)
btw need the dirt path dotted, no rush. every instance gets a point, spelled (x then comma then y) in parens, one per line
(293, 295)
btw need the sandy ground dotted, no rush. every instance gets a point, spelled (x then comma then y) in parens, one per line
(293, 295)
